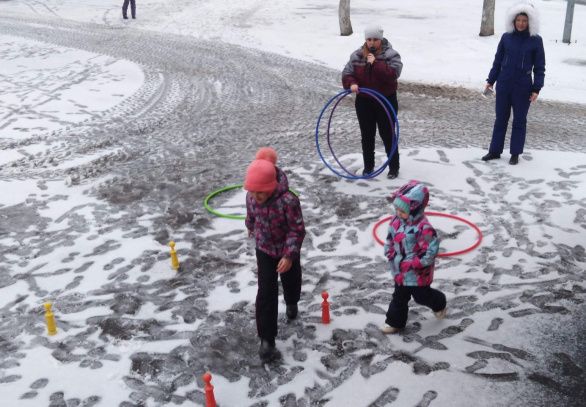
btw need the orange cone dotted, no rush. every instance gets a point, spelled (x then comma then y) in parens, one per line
(325, 309)
(209, 390)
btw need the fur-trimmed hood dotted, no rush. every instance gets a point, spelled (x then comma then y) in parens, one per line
(528, 8)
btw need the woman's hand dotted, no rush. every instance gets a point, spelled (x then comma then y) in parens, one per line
(370, 58)
(354, 88)
(533, 96)
(284, 265)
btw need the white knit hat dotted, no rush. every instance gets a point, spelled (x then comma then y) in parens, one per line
(373, 31)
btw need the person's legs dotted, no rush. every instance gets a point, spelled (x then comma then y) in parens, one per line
(291, 281)
(125, 9)
(399, 307)
(367, 122)
(503, 112)
(430, 297)
(520, 99)
(387, 133)
(267, 296)
(133, 8)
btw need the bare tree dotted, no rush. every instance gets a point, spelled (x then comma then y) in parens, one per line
(487, 24)
(344, 16)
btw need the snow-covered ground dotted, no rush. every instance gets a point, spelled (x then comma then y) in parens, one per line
(438, 42)
(133, 332)
(47, 88)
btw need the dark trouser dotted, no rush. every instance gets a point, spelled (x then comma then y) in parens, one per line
(132, 8)
(515, 96)
(370, 114)
(267, 296)
(399, 306)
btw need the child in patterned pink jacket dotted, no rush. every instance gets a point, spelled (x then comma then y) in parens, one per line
(274, 218)
(411, 247)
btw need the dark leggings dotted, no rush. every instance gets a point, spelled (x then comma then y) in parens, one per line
(370, 115)
(399, 306)
(132, 8)
(267, 296)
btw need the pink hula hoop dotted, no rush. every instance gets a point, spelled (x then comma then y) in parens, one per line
(443, 215)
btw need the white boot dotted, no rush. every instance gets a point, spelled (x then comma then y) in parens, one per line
(441, 314)
(387, 329)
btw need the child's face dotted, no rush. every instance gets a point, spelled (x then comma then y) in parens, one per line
(402, 214)
(260, 197)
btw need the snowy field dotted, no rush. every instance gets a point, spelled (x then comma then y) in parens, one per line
(439, 43)
(112, 132)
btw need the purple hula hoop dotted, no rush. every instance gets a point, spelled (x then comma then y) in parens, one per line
(392, 126)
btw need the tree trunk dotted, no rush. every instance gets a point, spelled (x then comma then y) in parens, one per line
(344, 16)
(487, 24)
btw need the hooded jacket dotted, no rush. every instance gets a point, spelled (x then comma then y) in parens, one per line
(412, 244)
(277, 224)
(381, 76)
(520, 53)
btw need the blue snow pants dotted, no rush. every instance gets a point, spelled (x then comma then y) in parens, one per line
(515, 95)
(132, 8)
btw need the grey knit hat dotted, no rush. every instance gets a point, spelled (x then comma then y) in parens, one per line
(373, 31)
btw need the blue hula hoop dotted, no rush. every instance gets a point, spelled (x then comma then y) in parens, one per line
(378, 100)
(382, 100)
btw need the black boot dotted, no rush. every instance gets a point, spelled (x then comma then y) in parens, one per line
(514, 159)
(291, 311)
(268, 351)
(491, 156)
(393, 174)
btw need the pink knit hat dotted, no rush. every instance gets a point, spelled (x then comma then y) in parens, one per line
(261, 176)
(267, 153)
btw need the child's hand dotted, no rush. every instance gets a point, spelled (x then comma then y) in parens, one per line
(284, 265)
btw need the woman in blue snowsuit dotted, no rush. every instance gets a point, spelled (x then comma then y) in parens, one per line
(519, 53)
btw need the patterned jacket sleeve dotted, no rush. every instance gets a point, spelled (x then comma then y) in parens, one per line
(348, 77)
(389, 241)
(496, 64)
(393, 60)
(249, 222)
(428, 243)
(296, 232)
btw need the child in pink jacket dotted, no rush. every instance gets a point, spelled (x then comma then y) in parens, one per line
(274, 218)
(411, 247)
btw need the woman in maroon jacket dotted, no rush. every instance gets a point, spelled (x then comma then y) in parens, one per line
(375, 65)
